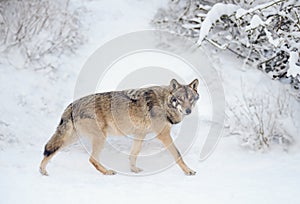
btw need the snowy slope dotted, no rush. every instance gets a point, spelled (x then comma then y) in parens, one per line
(32, 103)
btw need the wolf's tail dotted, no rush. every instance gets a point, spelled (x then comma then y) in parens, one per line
(63, 136)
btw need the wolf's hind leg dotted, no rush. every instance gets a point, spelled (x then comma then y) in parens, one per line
(63, 136)
(135, 150)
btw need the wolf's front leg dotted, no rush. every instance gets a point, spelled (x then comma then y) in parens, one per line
(98, 142)
(166, 139)
(136, 147)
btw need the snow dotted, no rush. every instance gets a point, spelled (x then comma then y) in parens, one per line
(213, 15)
(271, 40)
(229, 176)
(32, 103)
(241, 12)
(294, 69)
(255, 22)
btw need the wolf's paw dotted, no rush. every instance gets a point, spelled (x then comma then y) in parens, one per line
(110, 172)
(44, 172)
(135, 169)
(190, 172)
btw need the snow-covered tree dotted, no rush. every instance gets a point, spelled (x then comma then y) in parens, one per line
(33, 33)
(265, 33)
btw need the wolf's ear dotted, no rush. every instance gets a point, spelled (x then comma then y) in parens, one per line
(174, 85)
(194, 84)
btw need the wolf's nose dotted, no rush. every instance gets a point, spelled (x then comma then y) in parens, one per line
(188, 111)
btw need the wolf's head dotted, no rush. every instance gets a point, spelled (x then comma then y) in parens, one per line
(183, 97)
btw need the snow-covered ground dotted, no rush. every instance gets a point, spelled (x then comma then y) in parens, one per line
(32, 103)
(230, 175)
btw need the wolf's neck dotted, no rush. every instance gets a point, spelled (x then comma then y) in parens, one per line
(173, 115)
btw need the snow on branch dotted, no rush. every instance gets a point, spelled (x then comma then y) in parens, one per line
(242, 12)
(294, 63)
(212, 16)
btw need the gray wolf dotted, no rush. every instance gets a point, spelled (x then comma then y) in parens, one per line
(135, 112)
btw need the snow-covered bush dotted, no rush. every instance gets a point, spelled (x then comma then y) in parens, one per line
(261, 119)
(265, 33)
(34, 33)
